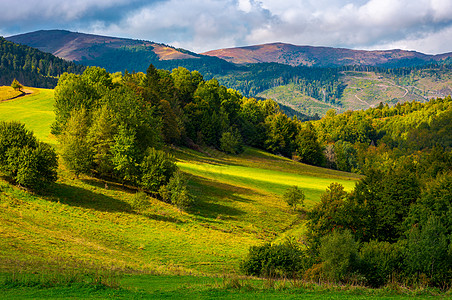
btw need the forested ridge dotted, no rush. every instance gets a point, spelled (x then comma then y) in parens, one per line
(32, 67)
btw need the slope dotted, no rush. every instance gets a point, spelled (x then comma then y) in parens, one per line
(85, 223)
(117, 54)
(31, 66)
(321, 56)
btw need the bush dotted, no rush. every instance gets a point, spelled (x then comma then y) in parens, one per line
(157, 168)
(231, 142)
(379, 261)
(28, 162)
(339, 253)
(283, 260)
(294, 196)
(177, 193)
(428, 253)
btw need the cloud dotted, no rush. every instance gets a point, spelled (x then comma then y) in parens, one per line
(201, 25)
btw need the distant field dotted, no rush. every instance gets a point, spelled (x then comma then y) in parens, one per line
(35, 110)
(363, 90)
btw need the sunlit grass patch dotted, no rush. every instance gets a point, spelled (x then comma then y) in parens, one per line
(7, 92)
(35, 110)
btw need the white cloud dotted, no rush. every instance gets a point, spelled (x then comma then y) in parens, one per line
(202, 25)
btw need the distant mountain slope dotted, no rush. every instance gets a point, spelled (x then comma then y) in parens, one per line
(31, 66)
(117, 54)
(322, 56)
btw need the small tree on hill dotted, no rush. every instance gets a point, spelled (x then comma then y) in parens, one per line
(294, 196)
(16, 85)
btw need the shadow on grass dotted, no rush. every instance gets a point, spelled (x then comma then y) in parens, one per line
(162, 218)
(216, 198)
(76, 196)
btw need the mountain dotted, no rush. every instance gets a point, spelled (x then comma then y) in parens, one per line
(117, 54)
(322, 56)
(30, 66)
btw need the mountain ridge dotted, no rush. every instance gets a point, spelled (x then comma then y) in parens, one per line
(86, 47)
(319, 56)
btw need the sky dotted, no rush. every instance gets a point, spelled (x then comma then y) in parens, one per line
(202, 25)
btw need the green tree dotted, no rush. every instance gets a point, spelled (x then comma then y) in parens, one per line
(178, 192)
(76, 150)
(308, 148)
(16, 85)
(428, 252)
(294, 196)
(339, 254)
(25, 160)
(125, 155)
(157, 168)
(231, 142)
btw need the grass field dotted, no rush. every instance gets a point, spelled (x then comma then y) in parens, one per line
(84, 226)
(35, 110)
(7, 92)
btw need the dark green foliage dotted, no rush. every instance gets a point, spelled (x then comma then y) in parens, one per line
(231, 142)
(339, 254)
(294, 196)
(428, 252)
(281, 132)
(327, 215)
(30, 66)
(380, 261)
(37, 167)
(285, 260)
(308, 149)
(25, 160)
(177, 191)
(75, 147)
(157, 168)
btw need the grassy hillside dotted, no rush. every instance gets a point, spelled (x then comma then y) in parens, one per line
(35, 110)
(363, 90)
(82, 222)
(88, 230)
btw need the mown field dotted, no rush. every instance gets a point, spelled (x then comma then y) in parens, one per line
(105, 231)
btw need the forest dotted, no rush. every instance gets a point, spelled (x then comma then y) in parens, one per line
(32, 67)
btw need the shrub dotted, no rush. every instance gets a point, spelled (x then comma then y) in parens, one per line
(30, 163)
(379, 261)
(157, 168)
(283, 260)
(231, 142)
(339, 253)
(294, 196)
(428, 253)
(177, 191)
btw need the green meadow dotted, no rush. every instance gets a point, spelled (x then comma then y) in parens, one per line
(89, 238)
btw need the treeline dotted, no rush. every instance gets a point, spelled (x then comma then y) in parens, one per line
(384, 136)
(116, 126)
(396, 225)
(319, 83)
(132, 58)
(31, 67)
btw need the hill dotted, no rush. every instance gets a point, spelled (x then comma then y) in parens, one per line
(84, 224)
(117, 54)
(322, 56)
(30, 66)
